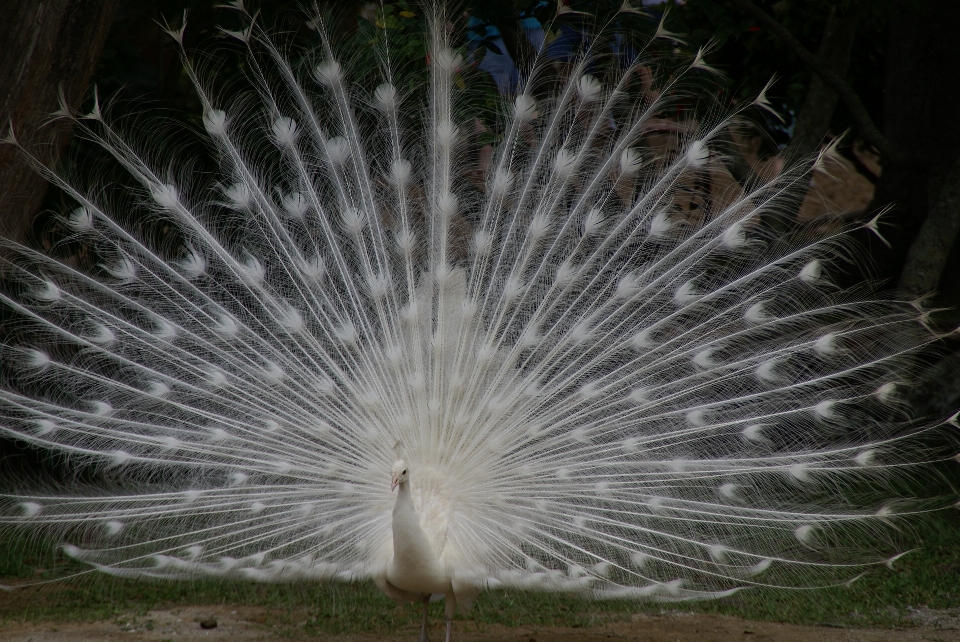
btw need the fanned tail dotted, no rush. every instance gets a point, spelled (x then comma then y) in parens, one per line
(607, 371)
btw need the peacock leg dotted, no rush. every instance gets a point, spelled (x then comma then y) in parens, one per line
(426, 610)
(450, 608)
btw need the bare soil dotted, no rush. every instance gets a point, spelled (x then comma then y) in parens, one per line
(253, 624)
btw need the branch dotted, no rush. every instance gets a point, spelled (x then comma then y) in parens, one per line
(861, 118)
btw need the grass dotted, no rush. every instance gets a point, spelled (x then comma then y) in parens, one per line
(929, 577)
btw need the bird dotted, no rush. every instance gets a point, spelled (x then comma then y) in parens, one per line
(547, 343)
(420, 562)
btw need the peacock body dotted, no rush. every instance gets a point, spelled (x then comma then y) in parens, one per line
(597, 386)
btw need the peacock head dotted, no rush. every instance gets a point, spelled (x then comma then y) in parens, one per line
(398, 474)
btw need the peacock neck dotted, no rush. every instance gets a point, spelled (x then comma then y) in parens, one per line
(415, 564)
(404, 498)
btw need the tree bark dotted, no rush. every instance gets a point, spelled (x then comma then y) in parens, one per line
(819, 105)
(937, 394)
(931, 248)
(921, 94)
(821, 101)
(45, 46)
(861, 117)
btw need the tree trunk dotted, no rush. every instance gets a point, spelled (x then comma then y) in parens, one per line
(818, 107)
(938, 224)
(45, 47)
(821, 101)
(922, 188)
(921, 94)
(931, 248)
(937, 393)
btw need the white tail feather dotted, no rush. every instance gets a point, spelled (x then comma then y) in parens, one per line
(596, 391)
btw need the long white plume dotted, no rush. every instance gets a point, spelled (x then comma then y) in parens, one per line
(607, 375)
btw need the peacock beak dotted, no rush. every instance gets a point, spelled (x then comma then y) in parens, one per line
(394, 483)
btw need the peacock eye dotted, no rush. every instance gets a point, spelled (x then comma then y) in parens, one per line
(404, 472)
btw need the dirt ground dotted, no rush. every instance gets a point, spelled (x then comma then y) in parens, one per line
(248, 624)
